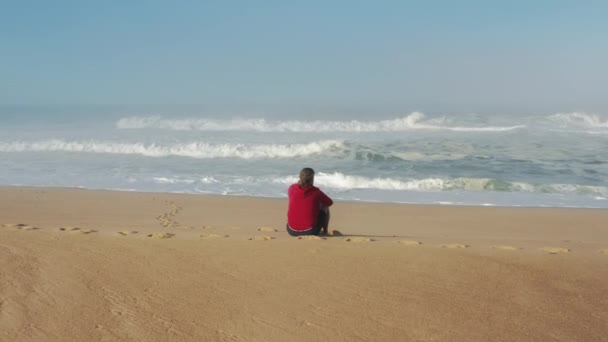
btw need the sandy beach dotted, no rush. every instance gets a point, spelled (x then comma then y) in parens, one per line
(85, 265)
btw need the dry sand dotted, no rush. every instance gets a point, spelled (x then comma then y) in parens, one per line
(81, 265)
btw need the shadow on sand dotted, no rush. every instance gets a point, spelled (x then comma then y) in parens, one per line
(339, 234)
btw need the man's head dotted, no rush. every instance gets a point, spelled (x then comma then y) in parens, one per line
(307, 177)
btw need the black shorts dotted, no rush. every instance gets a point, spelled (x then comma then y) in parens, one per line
(316, 230)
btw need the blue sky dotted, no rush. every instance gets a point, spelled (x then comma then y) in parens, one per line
(423, 55)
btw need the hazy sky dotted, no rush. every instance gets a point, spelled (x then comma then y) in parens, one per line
(426, 55)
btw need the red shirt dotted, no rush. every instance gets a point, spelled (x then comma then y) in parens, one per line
(304, 206)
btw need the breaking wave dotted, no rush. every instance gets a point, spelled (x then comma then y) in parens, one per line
(200, 150)
(413, 121)
(165, 180)
(340, 181)
(591, 123)
(579, 120)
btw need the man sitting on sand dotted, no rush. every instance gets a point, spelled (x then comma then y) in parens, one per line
(308, 212)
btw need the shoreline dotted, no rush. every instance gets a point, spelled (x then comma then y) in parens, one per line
(79, 264)
(353, 217)
(285, 198)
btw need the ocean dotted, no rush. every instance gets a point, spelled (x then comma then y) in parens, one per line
(546, 160)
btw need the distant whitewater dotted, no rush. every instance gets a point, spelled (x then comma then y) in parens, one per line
(410, 122)
(555, 160)
(197, 149)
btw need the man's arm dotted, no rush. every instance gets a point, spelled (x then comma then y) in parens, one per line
(324, 199)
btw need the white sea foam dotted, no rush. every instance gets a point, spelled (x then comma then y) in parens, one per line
(579, 120)
(413, 121)
(200, 150)
(341, 181)
(407, 159)
(417, 156)
(209, 180)
(165, 180)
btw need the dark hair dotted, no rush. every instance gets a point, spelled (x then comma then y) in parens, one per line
(307, 176)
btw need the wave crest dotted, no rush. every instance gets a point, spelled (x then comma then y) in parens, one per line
(200, 150)
(340, 181)
(413, 121)
(579, 120)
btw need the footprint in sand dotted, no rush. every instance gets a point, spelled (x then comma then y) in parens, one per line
(310, 237)
(359, 239)
(166, 219)
(555, 250)
(21, 226)
(24, 226)
(454, 245)
(128, 232)
(212, 236)
(267, 229)
(262, 238)
(409, 242)
(505, 248)
(27, 227)
(76, 230)
(161, 235)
